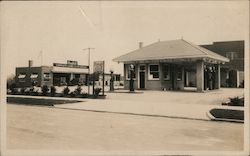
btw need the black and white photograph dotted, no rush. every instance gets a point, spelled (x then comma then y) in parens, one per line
(122, 78)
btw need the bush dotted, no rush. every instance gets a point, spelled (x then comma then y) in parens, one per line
(34, 92)
(78, 90)
(31, 91)
(72, 94)
(97, 91)
(66, 91)
(84, 95)
(45, 89)
(236, 101)
(52, 91)
(28, 91)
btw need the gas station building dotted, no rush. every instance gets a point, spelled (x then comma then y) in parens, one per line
(168, 65)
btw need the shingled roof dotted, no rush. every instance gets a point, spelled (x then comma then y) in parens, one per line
(173, 49)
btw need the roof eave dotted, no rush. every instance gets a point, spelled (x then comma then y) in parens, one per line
(171, 58)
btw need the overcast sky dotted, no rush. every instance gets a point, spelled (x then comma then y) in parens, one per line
(62, 29)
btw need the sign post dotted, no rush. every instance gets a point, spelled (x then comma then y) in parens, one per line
(103, 76)
(88, 66)
(93, 77)
(99, 69)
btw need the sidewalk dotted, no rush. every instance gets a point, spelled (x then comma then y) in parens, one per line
(184, 111)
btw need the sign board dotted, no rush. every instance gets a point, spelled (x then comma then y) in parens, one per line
(72, 62)
(70, 65)
(99, 67)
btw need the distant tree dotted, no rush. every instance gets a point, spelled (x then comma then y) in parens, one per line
(10, 80)
(66, 91)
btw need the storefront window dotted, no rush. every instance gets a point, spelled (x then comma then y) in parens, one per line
(63, 80)
(46, 76)
(21, 77)
(34, 76)
(166, 72)
(154, 72)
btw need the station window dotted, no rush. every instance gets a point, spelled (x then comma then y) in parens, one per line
(154, 72)
(166, 72)
(179, 73)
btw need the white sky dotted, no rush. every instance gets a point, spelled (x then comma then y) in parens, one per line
(61, 31)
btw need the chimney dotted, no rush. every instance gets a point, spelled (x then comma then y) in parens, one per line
(30, 63)
(140, 45)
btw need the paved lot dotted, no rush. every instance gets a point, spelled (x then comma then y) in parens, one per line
(214, 97)
(34, 127)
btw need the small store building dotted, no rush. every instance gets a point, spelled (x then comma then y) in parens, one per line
(59, 74)
(232, 73)
(168, 65)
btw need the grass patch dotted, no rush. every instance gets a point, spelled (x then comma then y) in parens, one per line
(228, 114)
(34, 101)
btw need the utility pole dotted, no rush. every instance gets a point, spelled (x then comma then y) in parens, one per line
(88, 66)
(41, 55)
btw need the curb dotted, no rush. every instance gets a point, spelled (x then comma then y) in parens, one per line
(136, 114)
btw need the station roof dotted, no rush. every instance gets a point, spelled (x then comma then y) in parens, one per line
(173, 49)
